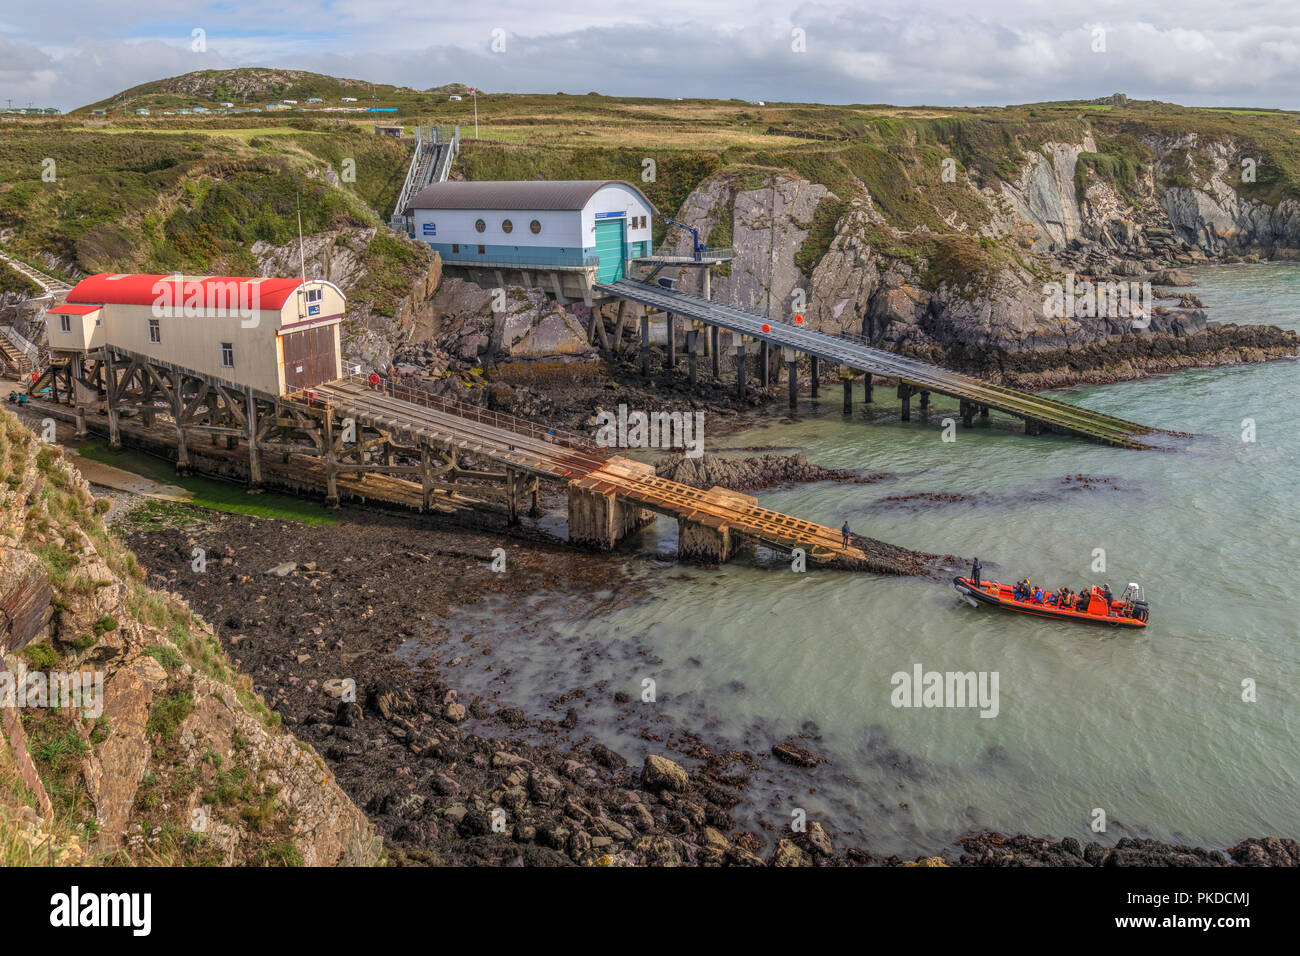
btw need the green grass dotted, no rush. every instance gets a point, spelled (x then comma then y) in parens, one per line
(165, 715)
(207, 492)
(11, 280)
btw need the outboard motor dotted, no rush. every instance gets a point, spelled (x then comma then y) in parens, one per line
(1136, 603)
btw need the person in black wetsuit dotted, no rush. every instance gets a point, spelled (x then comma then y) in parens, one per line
(975, 570)
(1106, 593)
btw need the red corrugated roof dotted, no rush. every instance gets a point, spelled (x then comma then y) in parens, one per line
(204, 291)
(66, 309)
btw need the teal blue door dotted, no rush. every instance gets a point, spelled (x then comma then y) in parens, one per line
(611, 248)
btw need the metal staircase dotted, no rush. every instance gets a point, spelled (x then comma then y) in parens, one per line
(435, 148)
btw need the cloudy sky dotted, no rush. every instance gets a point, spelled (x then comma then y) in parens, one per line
(67, 53)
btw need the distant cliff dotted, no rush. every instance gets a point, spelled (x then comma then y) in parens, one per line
(970, 291)
(127, 736)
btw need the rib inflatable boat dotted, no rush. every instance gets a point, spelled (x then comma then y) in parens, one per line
(1130, 610)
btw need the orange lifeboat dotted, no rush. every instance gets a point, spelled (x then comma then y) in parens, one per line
(1130, 610)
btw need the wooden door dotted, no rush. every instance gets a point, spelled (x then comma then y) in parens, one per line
(309, 357)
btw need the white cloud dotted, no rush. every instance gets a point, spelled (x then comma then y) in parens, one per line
(989, 52)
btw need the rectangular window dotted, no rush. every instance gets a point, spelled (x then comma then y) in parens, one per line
(65, 323)
(455, 247)
(227, 354)
(155, 334)
(314, 295)
(482, 250)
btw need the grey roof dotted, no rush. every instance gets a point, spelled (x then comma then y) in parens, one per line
(525, 194)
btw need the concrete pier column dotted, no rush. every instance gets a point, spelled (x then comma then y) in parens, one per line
(925, 400)
(846, 377)
(713, 334)
(1033, 426)
(740, 367)
(670, 327)
(645, 343)
(80, 412)
(691, 359)
(984, 412)
(707, 540)
(597, 519)
(867, 400)
(816, 374)
(764, 365)
(905, 393)
(968, 414)
(707, 273)
(705, 338)
(791, 359)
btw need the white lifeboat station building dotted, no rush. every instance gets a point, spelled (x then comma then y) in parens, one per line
(561, 236)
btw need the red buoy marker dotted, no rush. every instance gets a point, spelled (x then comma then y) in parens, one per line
(766, 327)
(798, 319)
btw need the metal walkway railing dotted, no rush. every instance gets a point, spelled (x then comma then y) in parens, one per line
(854, 352)
(435, 148)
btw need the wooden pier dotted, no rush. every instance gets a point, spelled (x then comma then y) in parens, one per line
(381, 441)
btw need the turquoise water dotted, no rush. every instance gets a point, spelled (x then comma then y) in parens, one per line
(1148, 726)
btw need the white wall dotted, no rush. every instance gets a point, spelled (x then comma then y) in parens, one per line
(615, 197)
(560, 227)
(194, 341)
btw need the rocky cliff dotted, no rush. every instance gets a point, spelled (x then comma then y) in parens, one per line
(970, 294)
(127, 737)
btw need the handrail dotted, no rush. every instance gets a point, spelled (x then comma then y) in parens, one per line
(419, 396)
(21, 343)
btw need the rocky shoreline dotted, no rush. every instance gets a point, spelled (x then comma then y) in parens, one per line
(323, 623)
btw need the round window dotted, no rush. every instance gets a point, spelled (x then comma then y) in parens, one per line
(535, 227)
(507, 225)
(480, 226)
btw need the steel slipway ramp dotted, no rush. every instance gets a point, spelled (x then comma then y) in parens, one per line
(854, 352)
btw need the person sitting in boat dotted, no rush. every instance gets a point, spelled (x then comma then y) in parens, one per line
(1052, 598)
(1038, 596)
